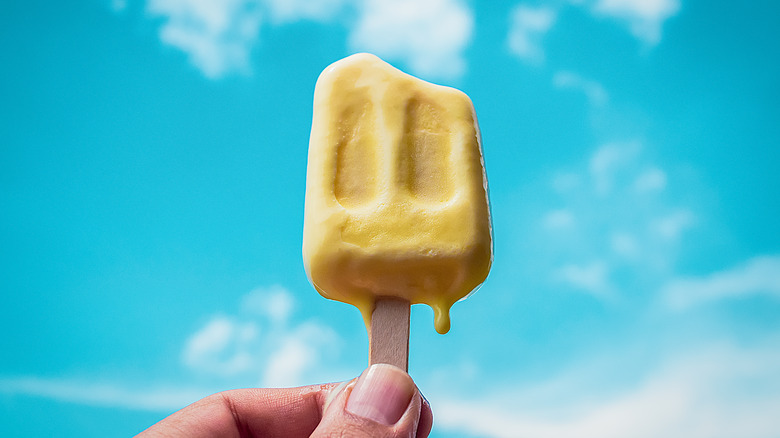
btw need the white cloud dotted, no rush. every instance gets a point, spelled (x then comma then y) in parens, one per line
(718, 392)
(230, 349)
(429, 36)
(287, 365)
(593, 90)
(644, 18)
(298, 351)
(527, 29)
(261, 342)
(88, 392)
(222, 347)
(757, 276)
(613, 230)
(274, 302)
(651, 180)
(625, 244)
(608, 160)
(559, 219)
(671, 226)
(592, 278)
(218, 36)
(285, 11)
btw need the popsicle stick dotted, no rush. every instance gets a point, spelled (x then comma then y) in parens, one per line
(389, 334)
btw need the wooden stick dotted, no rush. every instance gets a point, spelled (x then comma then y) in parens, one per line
(389, 334)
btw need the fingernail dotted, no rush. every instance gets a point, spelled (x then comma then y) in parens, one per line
(425, 400)
(382, 394)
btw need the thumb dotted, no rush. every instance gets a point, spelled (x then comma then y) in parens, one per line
(383, 402)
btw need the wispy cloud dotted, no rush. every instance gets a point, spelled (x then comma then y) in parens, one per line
(299, 352)
(592, 278)
(671, 226)
(709, 393)
(650, 180)
(611, 216)
(287, 11)
(218, 37)
(90, 393)
(559, 219)
(261, 342)
(274, 302)
(644, 18)
(527, 28)
(429, 36)
(593, 90)
(222, 347)
(608, 161)
(757, 276)
(624, 244)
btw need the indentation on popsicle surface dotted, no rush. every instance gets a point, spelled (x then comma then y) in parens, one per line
(425, 152)
(356, 155)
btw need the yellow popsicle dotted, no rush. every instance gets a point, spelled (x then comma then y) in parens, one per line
(396, 192)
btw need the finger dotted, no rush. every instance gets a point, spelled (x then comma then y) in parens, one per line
(384, 403)
(289, 412)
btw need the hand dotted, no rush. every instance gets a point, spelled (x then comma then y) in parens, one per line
(382, 402)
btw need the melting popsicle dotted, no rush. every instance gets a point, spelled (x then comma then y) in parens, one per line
(396, 195)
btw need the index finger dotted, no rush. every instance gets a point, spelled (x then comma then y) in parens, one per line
(284, 412)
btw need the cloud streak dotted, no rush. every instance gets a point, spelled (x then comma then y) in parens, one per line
(87, 392)
(704, 394)
(757, 276)
(288, 11)
(592, 278)
(260, 344)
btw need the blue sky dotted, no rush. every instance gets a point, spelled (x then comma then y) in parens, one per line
(152, 173)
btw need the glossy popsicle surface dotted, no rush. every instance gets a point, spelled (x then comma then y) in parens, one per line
(396, 193)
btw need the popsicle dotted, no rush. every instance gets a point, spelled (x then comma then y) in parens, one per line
(396, 209)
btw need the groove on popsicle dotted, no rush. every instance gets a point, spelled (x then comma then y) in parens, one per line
(356, 154)
(426, 150)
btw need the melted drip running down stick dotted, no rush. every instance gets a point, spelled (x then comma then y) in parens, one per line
(396, 198)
